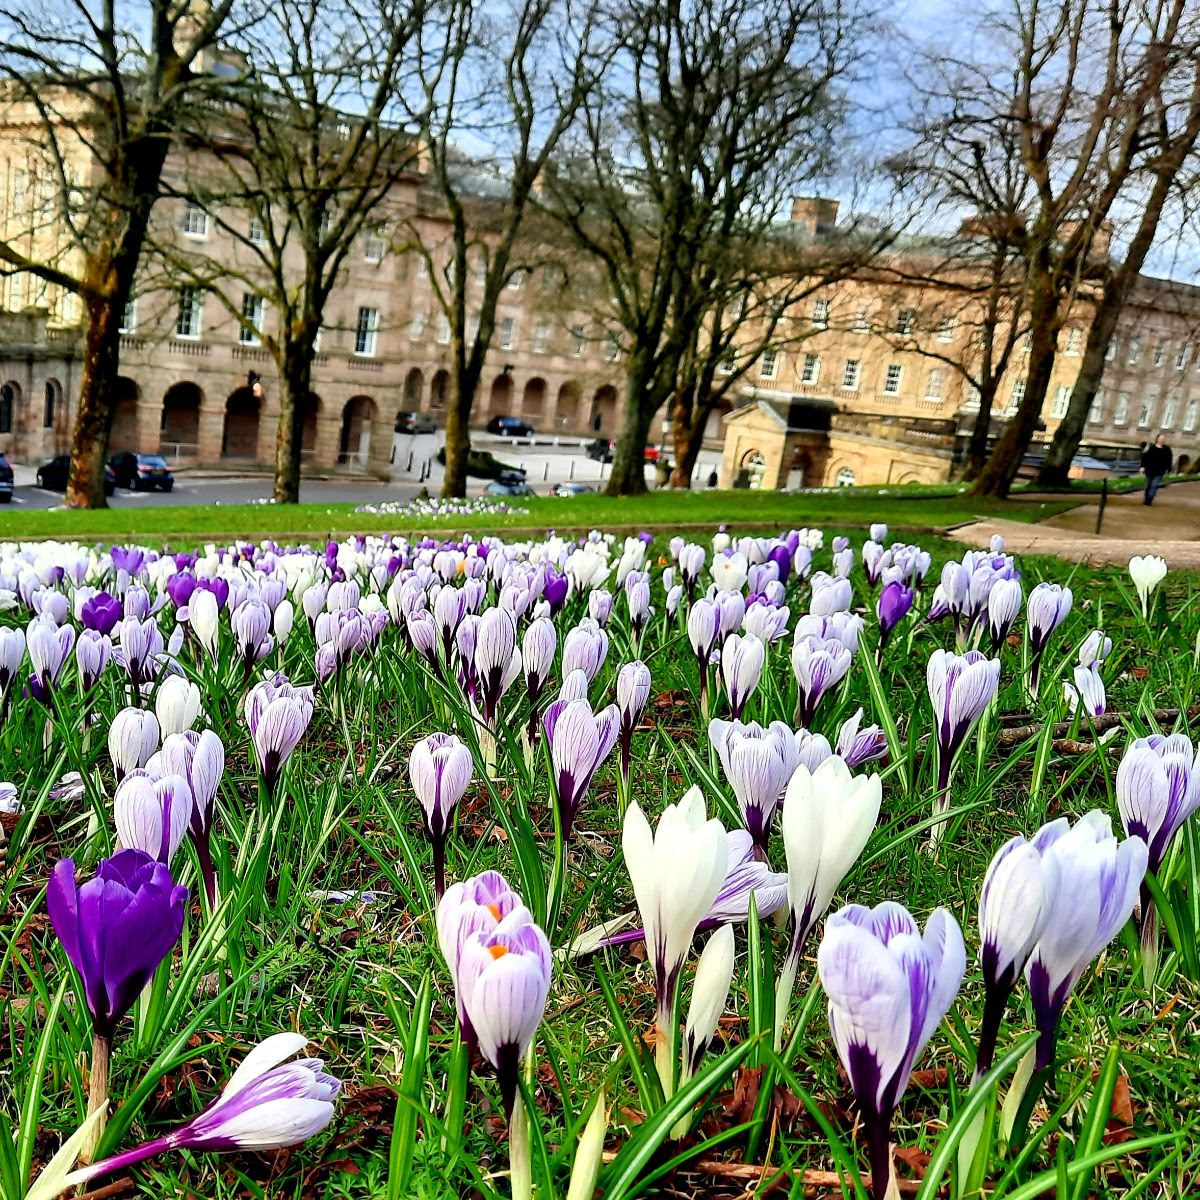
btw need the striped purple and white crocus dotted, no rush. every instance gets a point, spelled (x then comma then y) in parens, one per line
(757, 764)
(579, 740)
(742, 661)
(889, 985)
(278, 715)
(819, 665)
(439, 769)
(268, 1103)
(1045, 610)
(633, 693)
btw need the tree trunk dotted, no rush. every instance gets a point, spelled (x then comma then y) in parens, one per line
(996, 478)
(295, 386)
(463, 386)
(980, 431)
(687, 437)
(98, 398)
(628, 476)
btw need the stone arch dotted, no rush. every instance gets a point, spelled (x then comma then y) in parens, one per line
(752, 466)
(842, 474)
(240, 434)
(414, 390)
(311, 411)
(533, 397)
(52, 404)
(566, 408)
(439, 391)
(10, 401)
(499, 402)
(124, 433)
(604, 409)
(909, 477)
(179, 429)
(354, 444)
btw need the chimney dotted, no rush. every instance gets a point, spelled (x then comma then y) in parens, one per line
(814, 216)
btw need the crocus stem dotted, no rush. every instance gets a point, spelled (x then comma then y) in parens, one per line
(1150, 941)
(878, 1131)
(439, 865)
(520, 1163)
(783, 993)
(456, 1092)
(118, 1162)
(994, 1000)
(97, 1094)
(664, 1056)
(207, 871)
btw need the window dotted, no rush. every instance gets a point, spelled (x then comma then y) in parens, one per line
(906, 321)
(6, 409)
(845, 478)
(366, 331)
(820, 314)
(1160, 353)
(1016, 396)
(187, 321)
(1110, 351)
(1096, 412)
(811, 371)
(934, 382)
(850, 373)
(576, 341)
(972, 404)
(891, 381)
(129, 316)
(1135, 351)
(726, 366)
(614, 348)
(373, 248)
(541, 337)
(1121, 412)
(769, 365)
(946, 330)
(1189, 416)
(51, 397)
(416, 325)
(862, 322)
(515, 280)
(1074, 341)
(256, 231)
(1182, 357)
(250, 334)
(508, 332)
(443, 329)
(195, 220)
(1170, 409)
(16, 292)
(1062, 398)
(480, 271)
(1144, 414)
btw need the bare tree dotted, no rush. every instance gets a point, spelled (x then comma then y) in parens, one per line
(99, 90)
(1173, 126)
(498, 87)
(300, 164)
(712, 118)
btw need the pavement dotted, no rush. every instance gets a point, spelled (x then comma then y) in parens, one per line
(1170, 527)
(414, 466)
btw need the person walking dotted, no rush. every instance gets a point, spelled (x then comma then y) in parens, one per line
(1156, 462)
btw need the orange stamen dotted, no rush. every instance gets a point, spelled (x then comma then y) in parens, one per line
(498, 951)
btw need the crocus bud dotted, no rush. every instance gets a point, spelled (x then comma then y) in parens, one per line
(600, 606)
(1003, 606)
(93, 652)
(152, 815)
(633, 691)
(132, 739)
(439, 770)
(1147, 571)
(757, 764)
(879, 533)
(819, 665)
(204, 619)
(585, 648)
(891, 608)
(276, 729)
(742, 661)
(714, 974)
(579, 741)
(1046, 609)
(1086, 688)
(177, 704)
(1158, 788)
(1095, 649)
(282, 621)
(538, 648)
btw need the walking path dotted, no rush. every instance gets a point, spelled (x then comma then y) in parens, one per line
(1170, 527)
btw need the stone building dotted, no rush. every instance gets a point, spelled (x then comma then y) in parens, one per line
(870, 389)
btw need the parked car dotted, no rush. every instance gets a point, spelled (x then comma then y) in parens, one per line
(571, 489)
(52, 476)
(510, 427)
(141, 471)
(602, 450)
(415, 422)
(510, 482)
(6, 480)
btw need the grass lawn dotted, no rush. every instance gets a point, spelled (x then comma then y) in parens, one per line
(911, 509)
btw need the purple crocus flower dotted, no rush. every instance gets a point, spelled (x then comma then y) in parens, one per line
(819, 665)
(101, 612)
(180, 587)
(1099, 880)
(1020, 891)
(579, 742)
(439, 770)
(889, 986)
(49, 648)
(960, 688)
(891, 608)
(1045, 610)
(555, 590)
(1003, 607)
(152, 815)
(116, 928)
(633, 692)
(129, 559)
(251, 624)
(585, 648)
(140, 651)
(855, 745)
(276, 726)
(93, 652)
(496, 661)
(200, 759)
(757, 763)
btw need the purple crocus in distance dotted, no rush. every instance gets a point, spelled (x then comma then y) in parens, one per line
(889, 985)
(1099, 879)
(439, 770)
(1019, 894)
(579, 742)
(101, 613)
(891, 608)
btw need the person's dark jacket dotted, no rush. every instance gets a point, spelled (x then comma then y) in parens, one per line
(1156, 461)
